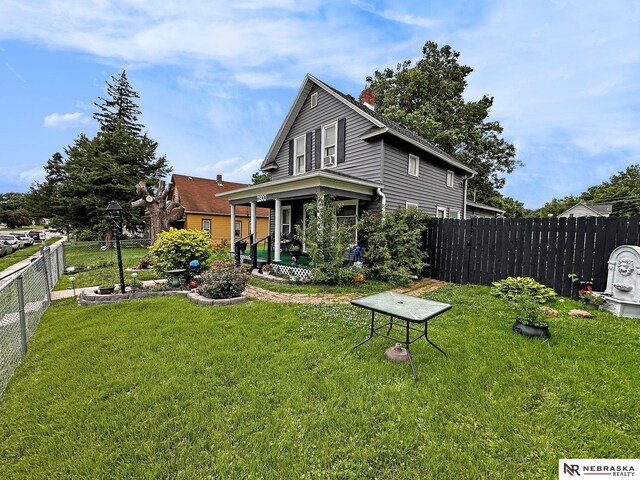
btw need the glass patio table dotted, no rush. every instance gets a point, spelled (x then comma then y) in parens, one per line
(403, 311)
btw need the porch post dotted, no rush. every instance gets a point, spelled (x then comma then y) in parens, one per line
(233, 228)
(253, 220)
(277, 231)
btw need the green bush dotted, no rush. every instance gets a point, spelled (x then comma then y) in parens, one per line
(513, 288)
(528, 312)
(327, 242)
(392, 245)
(224, 280)
(176, 248)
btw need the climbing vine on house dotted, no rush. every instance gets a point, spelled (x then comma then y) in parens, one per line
(327, 242)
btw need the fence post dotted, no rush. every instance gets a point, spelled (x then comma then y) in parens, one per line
(46, 273)
(23, 321)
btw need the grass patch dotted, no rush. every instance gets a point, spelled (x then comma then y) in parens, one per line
(366, 287)
(23, 253)
(162, 388)
(89, 254)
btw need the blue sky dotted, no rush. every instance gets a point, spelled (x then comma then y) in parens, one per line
(216, 78)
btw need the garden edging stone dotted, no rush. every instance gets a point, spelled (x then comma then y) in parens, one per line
(195, 297)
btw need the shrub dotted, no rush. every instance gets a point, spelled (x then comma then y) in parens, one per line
(392, 245)
(513, 288)
(176, 248)
(224, 280)
(327, 242)
(528, 311)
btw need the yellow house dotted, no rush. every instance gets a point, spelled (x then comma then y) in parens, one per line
(205, 211)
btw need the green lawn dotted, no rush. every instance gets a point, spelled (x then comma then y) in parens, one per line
(23, 253)
(162, 388)
(85, 254)
(364, 288)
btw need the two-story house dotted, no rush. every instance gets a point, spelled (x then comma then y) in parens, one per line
(331, 143)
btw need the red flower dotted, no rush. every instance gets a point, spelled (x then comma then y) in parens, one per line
(582, 292)
(589, 287)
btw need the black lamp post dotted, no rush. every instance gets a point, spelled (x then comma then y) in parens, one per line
(114, 213)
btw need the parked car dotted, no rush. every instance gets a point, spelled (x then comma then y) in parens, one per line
(23, 237)
(5, 249)
(13, 241)
(37, 235)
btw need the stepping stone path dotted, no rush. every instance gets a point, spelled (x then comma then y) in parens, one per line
(416, 289)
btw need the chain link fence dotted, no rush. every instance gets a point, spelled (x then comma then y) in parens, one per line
(23, 300)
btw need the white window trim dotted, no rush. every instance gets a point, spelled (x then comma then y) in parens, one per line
(408, 205)
(417, 160)
(296, 154)
(238, 235)
(453, 178)
(282, 224)
(208, 220)
(335, 145)
(457, 212)
(314, 100)
(441, 209)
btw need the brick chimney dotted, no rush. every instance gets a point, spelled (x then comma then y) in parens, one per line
(367, 97)
(219, 180)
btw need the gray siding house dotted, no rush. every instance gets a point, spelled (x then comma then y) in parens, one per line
(331, 143)
(480, 210)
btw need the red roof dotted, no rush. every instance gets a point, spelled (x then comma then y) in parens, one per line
(198, 195)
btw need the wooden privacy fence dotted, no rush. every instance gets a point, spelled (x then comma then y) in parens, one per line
(489, 249)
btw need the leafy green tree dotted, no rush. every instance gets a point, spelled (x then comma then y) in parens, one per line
(14, 209)
(15, 218)
(622, 190)
(79, 184)
(428, 99)
(512, 207)
(260, 177)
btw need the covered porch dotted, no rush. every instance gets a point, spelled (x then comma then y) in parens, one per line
(287, 198)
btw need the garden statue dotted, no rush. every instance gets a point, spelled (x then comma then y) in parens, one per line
(161, 213)
(623, 282)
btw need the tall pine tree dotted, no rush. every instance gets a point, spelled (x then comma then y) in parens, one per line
(119, 108)
(79, 184)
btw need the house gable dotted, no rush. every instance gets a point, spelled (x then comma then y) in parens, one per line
(583, 210)
(352, 155)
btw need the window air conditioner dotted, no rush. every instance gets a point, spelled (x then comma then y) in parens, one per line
(329, 160)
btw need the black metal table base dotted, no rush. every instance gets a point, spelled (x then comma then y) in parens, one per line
(407, 340)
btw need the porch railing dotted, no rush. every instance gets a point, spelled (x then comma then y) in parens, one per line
(236, 247)
(254, 250)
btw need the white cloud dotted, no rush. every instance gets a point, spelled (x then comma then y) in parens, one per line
(31, 175)
(232, 169)
(64, 120)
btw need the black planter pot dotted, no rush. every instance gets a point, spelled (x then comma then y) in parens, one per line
(105, 290)
(531, 331)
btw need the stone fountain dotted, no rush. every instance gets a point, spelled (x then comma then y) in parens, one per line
(623, 282)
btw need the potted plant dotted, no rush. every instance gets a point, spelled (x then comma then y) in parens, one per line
(266, 269)
(526, 296)
(590, 300)
(107, 285)
(529, 317)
